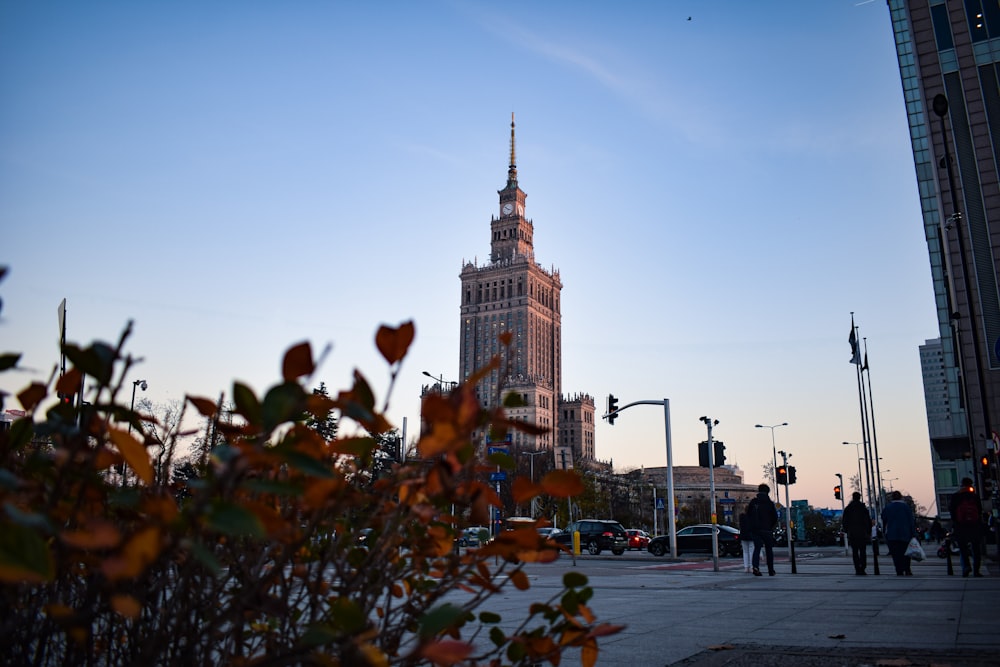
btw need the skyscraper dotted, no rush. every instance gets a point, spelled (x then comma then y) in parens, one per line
(516, 295)
(949, 63)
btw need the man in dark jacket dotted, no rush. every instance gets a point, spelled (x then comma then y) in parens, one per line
(899, 527)
(763, 517)
(857, 523)
(967, 527)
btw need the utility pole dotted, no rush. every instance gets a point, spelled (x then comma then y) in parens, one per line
(788, 514)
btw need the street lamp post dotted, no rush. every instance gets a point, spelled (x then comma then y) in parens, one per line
(143, 385)
(441, 381)
(531, 457)
(861, 480)
(774, 450)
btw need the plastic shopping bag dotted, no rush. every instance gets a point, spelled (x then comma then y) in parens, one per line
(914, 550)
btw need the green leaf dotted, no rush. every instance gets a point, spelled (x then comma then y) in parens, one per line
(20, 433)
(439, 619)
(505, 461)
(283, 403)
(317, 634)
(574, 580)
(23, 554)
(235, 520)
(489, 617)
(273, 486)
(8, 360)
(497, 636)
(29, 519)
(347, 616)
(247, 404)
(308, 465)
(97, 361)
(205, 556)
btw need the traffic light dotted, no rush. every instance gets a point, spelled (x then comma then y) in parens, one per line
(66, 399)
(984, 464)
(719, 452)
(782, 477)
(612, 409)
(836, 492)
(791, 474)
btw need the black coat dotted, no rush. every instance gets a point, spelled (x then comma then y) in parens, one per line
(857, 522)
(762, 514)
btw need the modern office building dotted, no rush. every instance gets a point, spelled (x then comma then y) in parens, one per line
(948, 53)
(513, 294)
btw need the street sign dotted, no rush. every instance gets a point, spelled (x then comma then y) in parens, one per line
(497, 450)
(660, 504)
(727, 500)
(498, 476)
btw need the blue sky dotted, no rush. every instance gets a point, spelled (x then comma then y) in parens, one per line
(718, 194)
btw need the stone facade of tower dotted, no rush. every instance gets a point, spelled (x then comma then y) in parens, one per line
(513, 294)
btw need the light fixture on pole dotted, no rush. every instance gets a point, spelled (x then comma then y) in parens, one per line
(709, 422)
(143, 385)
(774, 450)
(788, 514)
(531, 457)
(861, 480)
(441, 382)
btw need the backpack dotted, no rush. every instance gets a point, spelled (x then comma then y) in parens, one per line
(966, 511)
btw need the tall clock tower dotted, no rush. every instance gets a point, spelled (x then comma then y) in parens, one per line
(512, 293)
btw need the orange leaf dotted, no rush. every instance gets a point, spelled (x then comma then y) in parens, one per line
(446, 652)
(141, 550)
(134, 453)
(205, 406)
(126, 605)
(298, 362)
(588, 654)
(562, 484)
(94, 535)
(393, 343)
(69, 382)
(32, 395)
(523, 490)
(520, 580)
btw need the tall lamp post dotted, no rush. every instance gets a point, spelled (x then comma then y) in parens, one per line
(143, 385)
(531, 457)
(774, 450)
(861, 480)
(441, 381)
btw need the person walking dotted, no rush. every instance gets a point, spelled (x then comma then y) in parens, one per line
(746, 539)
(967, 527)
(898, 526)
(857, 524)
(762, 517)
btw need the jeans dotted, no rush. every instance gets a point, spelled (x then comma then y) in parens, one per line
(765, 540)
(969, 540)
(860, 554)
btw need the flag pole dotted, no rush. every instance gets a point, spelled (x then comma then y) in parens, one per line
(871, 409)
(856, 360)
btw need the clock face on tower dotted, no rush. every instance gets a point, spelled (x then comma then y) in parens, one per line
(507, 208)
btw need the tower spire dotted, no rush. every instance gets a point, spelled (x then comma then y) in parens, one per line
(512, 169)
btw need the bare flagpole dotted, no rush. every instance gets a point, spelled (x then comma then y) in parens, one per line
(871, 410)
(856, 360)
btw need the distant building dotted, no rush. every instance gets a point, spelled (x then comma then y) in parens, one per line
(691, 491)
(515, 295)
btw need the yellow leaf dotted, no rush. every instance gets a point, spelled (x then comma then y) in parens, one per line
(374, 655)
(134, 453)
(126, 605)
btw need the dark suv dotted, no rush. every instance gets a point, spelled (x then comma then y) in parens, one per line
(595, 535)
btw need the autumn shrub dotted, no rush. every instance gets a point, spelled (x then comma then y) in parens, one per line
(285, 548)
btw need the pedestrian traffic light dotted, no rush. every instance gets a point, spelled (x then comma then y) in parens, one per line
(66, 399)
(791, 474)
(782, 475)
(836, 492)
(984, 464)
(612, 409)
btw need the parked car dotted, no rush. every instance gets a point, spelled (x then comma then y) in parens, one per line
(595, 536)
(699, 538)
(474, 537)
(637, 539)
(548, 531)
